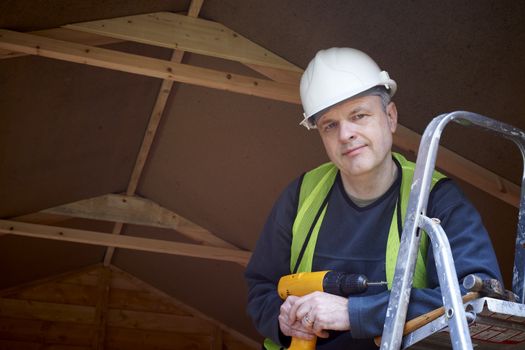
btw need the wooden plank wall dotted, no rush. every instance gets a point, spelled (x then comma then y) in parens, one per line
(104, 308)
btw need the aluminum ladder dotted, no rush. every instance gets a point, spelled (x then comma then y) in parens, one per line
(455, 317)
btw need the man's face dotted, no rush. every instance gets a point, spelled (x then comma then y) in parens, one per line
(357, 135)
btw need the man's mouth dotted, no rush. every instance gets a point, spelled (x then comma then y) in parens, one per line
(354, 150)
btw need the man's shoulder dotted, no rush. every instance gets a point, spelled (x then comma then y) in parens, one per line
(446, 194)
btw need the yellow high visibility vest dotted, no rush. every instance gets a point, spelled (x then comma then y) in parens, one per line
(313, 199)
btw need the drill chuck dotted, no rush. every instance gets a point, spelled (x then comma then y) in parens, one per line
(344, 284)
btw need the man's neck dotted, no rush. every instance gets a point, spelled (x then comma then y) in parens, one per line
(371, 185)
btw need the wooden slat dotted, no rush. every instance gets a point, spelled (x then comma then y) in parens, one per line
(62, 293)
(142, 301)
(127, 338)
(180, 32)
(46, 332)
(66, 35)
(14, 308)
(92, 281)
(67, 293)
(35, 283)
(41, 218)
(101, 313)
(152, 67)
(159, 322)
(195, 8)
(280, 75)
(137, 211)
(27, 345)
(117, 229)
(462, 168)
(127, 242)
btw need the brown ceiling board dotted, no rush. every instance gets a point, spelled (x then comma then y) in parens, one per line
(136, 64)
(75, 134)
(128, 242)
(137, 211)
(188, 34)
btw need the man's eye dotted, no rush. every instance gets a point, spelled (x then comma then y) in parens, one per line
(358, 116)
(330, 126)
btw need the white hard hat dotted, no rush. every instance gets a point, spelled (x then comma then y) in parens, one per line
(335, 75)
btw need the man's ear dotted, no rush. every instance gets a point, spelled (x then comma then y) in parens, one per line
(391, 114)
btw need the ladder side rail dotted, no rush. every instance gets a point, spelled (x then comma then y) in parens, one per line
(518, 273)
(425, 164)
(449, 284)
(518, 137)
(410, 238)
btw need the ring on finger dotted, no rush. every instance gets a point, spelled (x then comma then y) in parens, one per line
(307, 320)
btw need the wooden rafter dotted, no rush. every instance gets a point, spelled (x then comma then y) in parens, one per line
(137, 211)
(66, 35)
(136, 64)
(185, 33)
(126, 242)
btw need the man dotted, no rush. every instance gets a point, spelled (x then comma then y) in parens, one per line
(343, 215)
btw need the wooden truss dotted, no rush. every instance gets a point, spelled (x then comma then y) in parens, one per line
(78, 43)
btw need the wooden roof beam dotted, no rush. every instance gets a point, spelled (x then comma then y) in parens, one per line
(66, 35)
(126, 242)
(147, 66)
(186, 33)
(137, 211)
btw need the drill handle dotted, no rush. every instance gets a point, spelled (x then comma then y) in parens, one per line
(302, 344)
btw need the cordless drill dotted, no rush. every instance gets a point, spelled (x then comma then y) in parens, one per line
(338, 283)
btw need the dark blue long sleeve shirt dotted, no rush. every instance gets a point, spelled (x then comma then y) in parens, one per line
(353, 239)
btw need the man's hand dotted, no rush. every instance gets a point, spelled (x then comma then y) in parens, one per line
(293, 328)
(317, 312)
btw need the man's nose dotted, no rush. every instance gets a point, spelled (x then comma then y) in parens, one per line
(347, 131)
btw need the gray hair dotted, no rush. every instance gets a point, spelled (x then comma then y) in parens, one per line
(379, 90)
